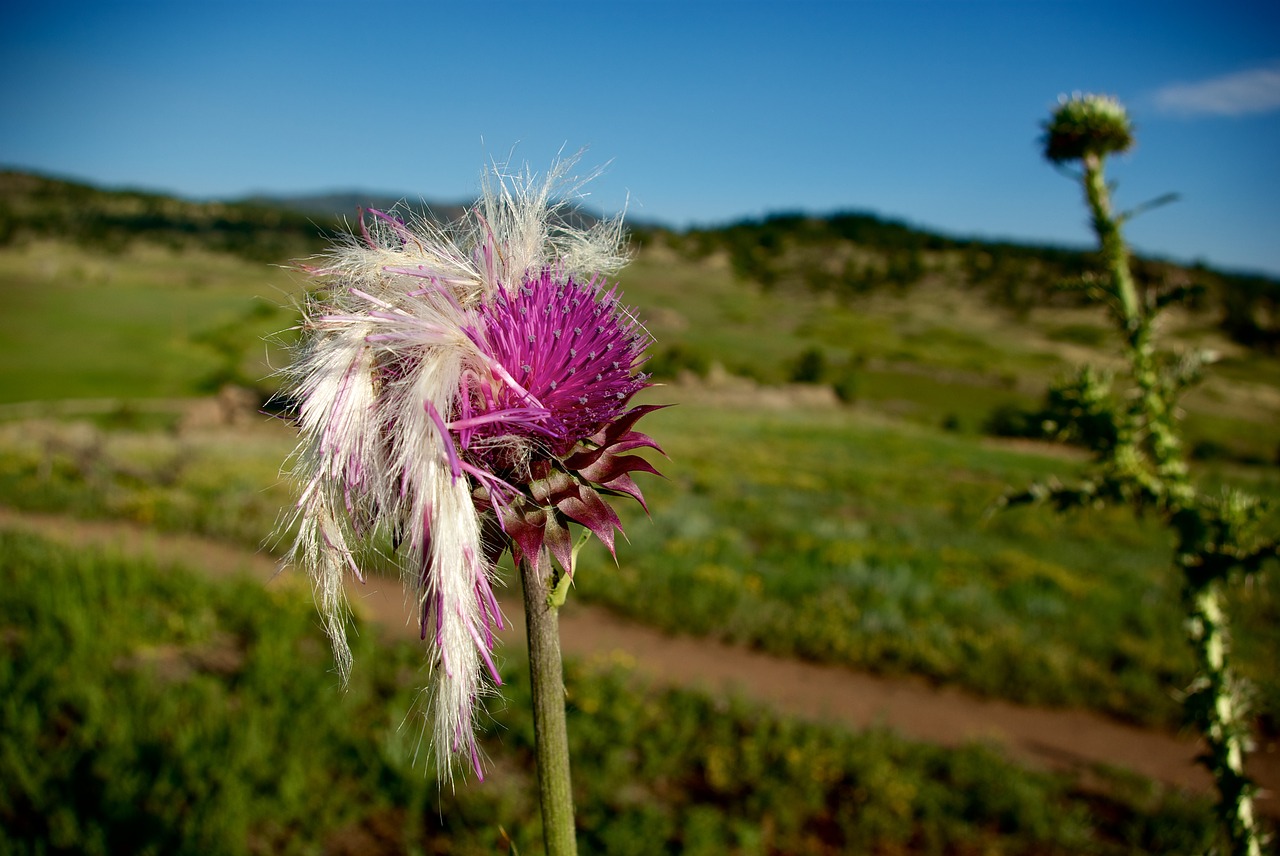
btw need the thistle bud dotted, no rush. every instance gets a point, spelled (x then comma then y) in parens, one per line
(1086, 125)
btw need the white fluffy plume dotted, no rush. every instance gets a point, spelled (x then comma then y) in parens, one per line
(378, 374)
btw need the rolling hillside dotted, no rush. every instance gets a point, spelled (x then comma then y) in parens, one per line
(933, 329)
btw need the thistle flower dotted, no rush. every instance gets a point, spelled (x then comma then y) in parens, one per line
(465, 390)
(1086, 125)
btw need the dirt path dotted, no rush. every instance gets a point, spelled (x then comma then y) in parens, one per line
(1054, 739)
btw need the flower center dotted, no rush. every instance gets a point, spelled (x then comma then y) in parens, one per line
(570, 349)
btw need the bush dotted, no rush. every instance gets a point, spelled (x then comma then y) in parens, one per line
(1010, 420)
(810, 366)
(1076, 410)
(1079, 410)
(668, 363)
(846, 385)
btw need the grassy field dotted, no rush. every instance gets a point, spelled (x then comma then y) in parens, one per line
(148, 322)
(825, 534)
(142, 323)
(853, 533)
(939, 354)
(871, 543)
(208, 723)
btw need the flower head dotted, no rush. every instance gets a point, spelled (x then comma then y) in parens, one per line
(1087, 125)
(466, 390)
(571, 351)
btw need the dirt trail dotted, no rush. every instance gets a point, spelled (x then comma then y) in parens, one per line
(1054, 739)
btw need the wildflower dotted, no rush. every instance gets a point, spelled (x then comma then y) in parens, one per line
(465, 390)
(1086, 125)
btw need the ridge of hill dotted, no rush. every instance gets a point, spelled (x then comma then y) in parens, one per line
(851, 254)
(36, 206)
(333, 206)
(258, 228)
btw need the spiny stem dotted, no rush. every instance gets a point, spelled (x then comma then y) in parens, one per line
(1154, 413)
(1221, 718)
(1218, 710)
(1112, 243)
(551, 737)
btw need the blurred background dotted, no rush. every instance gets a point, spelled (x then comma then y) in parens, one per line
(852, 256)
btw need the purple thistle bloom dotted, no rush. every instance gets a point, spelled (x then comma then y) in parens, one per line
(467, 391)
(569, 352)
(570, 348)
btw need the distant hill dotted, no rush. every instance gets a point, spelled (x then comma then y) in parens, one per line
(846, 254)
(850, 254)
(262, 227)
(35, 206)
(344, 204)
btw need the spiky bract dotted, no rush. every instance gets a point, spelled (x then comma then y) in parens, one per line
(464, 390)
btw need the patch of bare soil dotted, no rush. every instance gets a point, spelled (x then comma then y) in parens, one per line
(1070, 740)
(722, 389)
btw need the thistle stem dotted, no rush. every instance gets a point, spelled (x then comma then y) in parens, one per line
(1221, 718)
(1112, 244)
(1156, 420)
(551, 738)
(1219, 714)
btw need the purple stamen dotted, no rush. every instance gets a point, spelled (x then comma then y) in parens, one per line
(450, 452)
(524, 415)
(396, 223)
(484, 653)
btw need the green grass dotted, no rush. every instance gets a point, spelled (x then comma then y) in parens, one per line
(902, 392)
(825, 534)
(224, 485)
(938, 353)
(144, 323)
(209, 722)
(150, 322)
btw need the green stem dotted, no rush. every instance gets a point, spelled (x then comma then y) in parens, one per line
(1157, 422)
(1150, 428)
(1114, 252)
(1222, 719)
(551, 737)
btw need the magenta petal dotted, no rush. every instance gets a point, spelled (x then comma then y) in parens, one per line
(547, 491)
(568, 346)
(583, 457)
(635, 440)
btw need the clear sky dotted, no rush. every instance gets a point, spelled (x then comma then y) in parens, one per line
(704, 111)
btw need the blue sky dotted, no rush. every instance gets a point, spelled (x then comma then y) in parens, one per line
(704, 111)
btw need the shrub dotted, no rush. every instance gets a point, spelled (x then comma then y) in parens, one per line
(810, 366)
